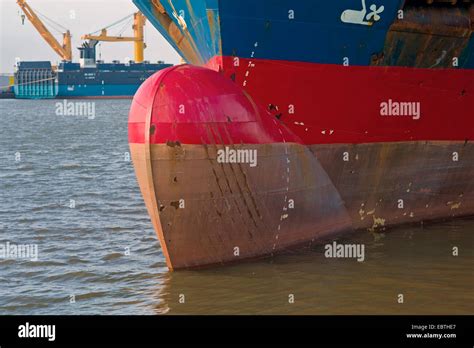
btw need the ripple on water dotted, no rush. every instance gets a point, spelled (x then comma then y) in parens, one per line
(46, 264)
(112, 256)
(91, 295)
(74, 275)
(76, 260)
(67, 166)
(24, 167)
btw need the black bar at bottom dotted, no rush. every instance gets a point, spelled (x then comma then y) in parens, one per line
(447, 331)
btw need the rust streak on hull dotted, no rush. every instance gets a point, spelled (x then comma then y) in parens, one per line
(221, 203)
(437, 35)
(214, 221)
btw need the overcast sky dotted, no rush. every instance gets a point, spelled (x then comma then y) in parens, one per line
(80, 17)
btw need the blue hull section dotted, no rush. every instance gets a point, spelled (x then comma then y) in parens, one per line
(304, 31)
(104, 80)
(97, 91)
(349, 32)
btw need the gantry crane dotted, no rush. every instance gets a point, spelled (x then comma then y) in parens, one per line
(138, 36)
(64, 50)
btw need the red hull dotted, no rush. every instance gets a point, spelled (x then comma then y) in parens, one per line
(346, 99)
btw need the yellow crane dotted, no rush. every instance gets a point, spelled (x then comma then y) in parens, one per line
(137, 38)
(64, 50)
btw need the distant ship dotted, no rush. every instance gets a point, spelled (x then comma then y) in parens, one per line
(90, 78)
(357, 115)
(87, 79)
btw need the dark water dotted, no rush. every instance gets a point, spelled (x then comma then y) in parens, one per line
(83, 248)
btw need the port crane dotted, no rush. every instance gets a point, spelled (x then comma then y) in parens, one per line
(137, 38)
(64, 50)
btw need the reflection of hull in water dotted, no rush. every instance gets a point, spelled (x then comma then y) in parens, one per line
(320, 285)
(328, 162)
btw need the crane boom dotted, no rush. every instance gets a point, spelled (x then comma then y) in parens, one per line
(138, 38)
(105, 37)
(64, 50)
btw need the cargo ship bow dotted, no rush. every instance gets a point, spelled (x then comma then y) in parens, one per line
(298, 121)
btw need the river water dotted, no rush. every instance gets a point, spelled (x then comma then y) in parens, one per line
(67, 186)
